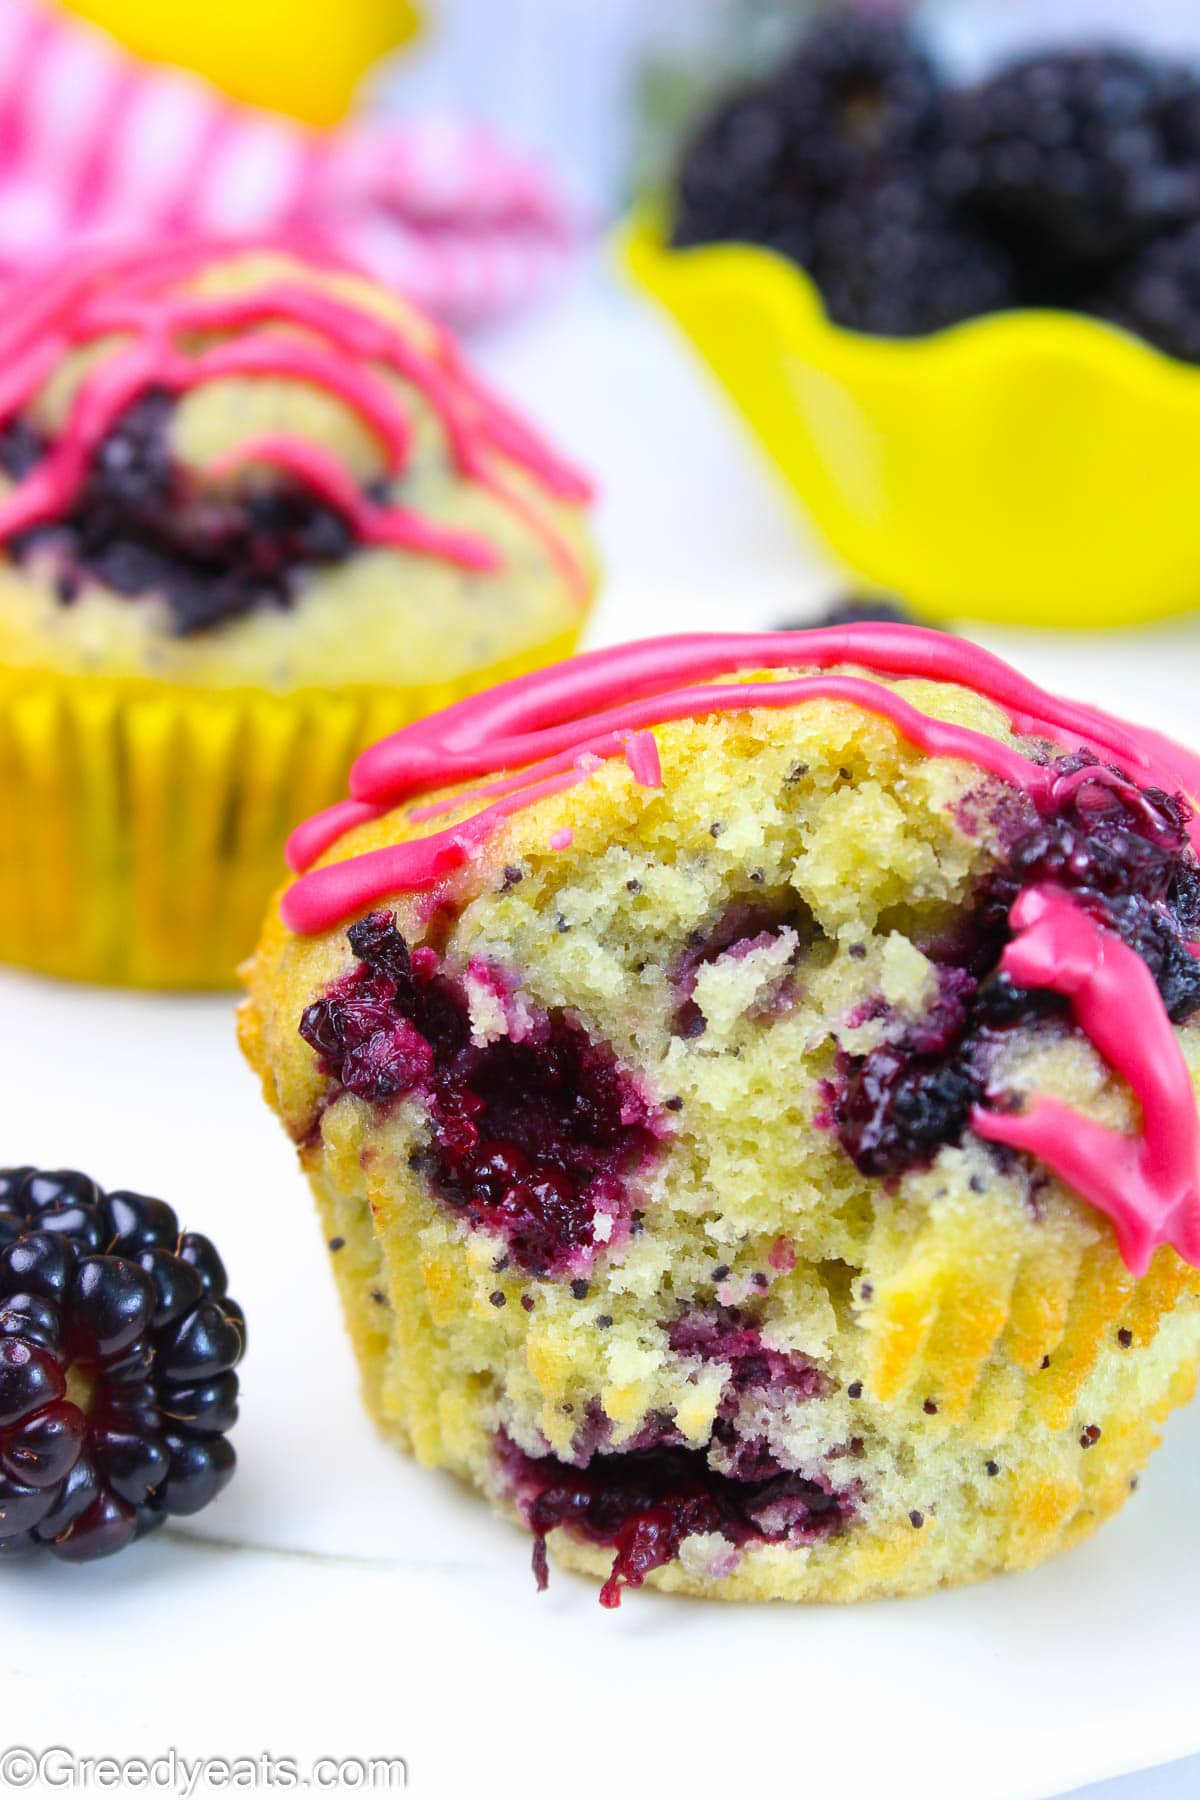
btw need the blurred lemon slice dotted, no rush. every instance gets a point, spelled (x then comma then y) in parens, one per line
(305, 60)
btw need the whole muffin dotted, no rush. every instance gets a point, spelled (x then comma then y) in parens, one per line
(254, 511)
(748, 1084)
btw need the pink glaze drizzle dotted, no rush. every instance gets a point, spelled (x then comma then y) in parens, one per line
(134, 295)
(326, 477)
(545, 732)
(1147, 1184)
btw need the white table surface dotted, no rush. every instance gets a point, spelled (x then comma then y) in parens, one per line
(338, 1601)
(1171, 1781)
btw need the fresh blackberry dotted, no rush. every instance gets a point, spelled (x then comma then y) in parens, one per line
(1156, 293)
(861, 98)
(1080, 155)
(734, 181)
(889, 259)
(859, 609)
(866, 609)
(856, 99)
(118, 1344)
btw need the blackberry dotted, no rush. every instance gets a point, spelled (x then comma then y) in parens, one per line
(866, 609)
(890, 259)
(897, 1110)
(1080, 155)
(736, 930)
(855, 100)
(861, 98)
(734, 182)
(1154, 938)
(1156, 293)
(859, 609)
(118, 1344)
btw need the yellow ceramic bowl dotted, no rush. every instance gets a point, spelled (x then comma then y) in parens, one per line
(1035, 467)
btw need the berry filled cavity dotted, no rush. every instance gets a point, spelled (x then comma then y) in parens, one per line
(645, 1505)
(141, 527)
(532, 1136)
(1125, 856)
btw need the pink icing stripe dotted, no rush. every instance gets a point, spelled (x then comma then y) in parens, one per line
(95, 295)
(327, 477)
(413, 867)
(1149, 1184)
(631, 745)
(342, 889)
(554, 728)
(271, 354)
(322, 831)
(362, 335)
(31, 368)
(641, 753)
(545, 720)
(106, 392)
(536, 714)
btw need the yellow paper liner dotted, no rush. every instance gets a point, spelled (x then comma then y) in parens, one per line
(142, 825)
(404, 1301)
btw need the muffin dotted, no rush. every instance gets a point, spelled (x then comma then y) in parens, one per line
(255, 511)
(748, 1086)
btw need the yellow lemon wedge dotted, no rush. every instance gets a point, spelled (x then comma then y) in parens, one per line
(304, 60)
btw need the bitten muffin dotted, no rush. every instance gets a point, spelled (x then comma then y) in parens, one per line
(748, 1085)
(254, 511)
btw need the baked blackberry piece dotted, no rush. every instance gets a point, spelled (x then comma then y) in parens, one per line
(748, 1084)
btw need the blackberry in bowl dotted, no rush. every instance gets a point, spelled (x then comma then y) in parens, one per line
(1079, 156)
(118, 1349)
(913, 291)
(711, 1063)
(253, 510)
(1156, 293)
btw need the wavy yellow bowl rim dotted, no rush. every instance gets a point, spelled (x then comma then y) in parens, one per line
(790, 296)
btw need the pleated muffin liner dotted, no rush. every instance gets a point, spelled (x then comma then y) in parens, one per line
(142, 825)
(1053, 1373)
